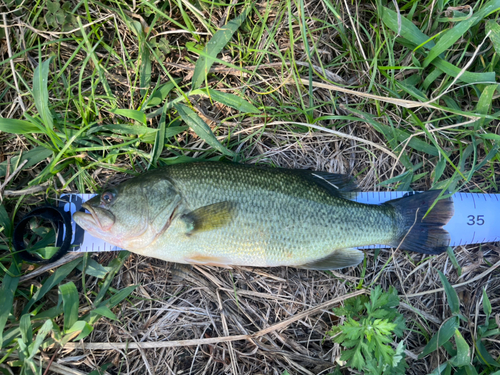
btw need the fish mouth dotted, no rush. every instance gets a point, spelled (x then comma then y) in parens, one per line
(92, 214)
(97, 217)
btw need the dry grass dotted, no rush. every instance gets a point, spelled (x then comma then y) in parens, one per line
(176, 303)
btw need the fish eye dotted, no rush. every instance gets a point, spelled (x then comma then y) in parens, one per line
(107, 197)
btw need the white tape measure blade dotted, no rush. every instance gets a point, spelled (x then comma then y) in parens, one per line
(473, 221)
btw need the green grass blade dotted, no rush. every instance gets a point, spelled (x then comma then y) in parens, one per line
(394, 133)
(80, 326)
(41, 97)
(491, 154)
(458, 30)
(451, 294)
(125, 129)
(409, 31)
(463, 352)
(494, 137)
(201, 128)
(438, 172)
(493, 28)
(144, 53)
(304, 33)
(15, 126)
(186, 19)
(231, 100)
(84, 332)
(52, 281)
(484, 105)
(432, 76)
(40, 337)
(486, 305)
(9, 286)
(97, 64)
(157, 11)
(133, 114)
(41, 94)
(70, 299)
(120, 296)
(110, 303)
(145, 68)
(115, 266)
(26, 329)
(453, 258)
(160, 139)
(170, 131)
(104, 311)
(485, 356)
(5, 222)
(433, 140)
(95, 269)
(34, 156)
(160, 94)
(67, 146)
(467, 77)
(445, 332)
(215, 45)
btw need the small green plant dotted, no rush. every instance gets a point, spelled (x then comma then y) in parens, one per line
(162, 49)
(60, 16)
(460, 361)
(370, 326)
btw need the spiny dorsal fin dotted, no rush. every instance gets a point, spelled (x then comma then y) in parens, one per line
(339, 258)
(340, 185)
(209, 217)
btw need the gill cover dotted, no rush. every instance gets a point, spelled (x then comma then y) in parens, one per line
(132, 215)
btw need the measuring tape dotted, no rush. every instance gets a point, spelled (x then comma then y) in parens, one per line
(473, 221)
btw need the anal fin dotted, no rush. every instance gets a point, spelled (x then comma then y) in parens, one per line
(339, 258)
(208, 260)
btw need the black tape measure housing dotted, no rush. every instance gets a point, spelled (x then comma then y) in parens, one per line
(55, 215)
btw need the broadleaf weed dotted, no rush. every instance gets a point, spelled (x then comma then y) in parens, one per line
(370, 327)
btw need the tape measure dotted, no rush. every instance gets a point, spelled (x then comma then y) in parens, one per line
(473, 221)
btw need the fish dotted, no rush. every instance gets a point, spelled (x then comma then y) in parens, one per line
(228, 214)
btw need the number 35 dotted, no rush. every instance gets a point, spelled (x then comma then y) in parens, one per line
(475, 220)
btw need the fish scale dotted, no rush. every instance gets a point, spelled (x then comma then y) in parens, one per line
(230, 214)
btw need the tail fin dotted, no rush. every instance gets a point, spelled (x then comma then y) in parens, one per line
(419, 234)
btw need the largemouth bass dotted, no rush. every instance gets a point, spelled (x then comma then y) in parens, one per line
(229, 214)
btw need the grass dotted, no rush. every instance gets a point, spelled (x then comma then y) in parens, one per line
(90, 92)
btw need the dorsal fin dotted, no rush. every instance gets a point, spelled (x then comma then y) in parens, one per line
(340, 185)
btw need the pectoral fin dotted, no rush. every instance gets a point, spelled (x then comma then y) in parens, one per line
(339, 258)
(209, 217)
